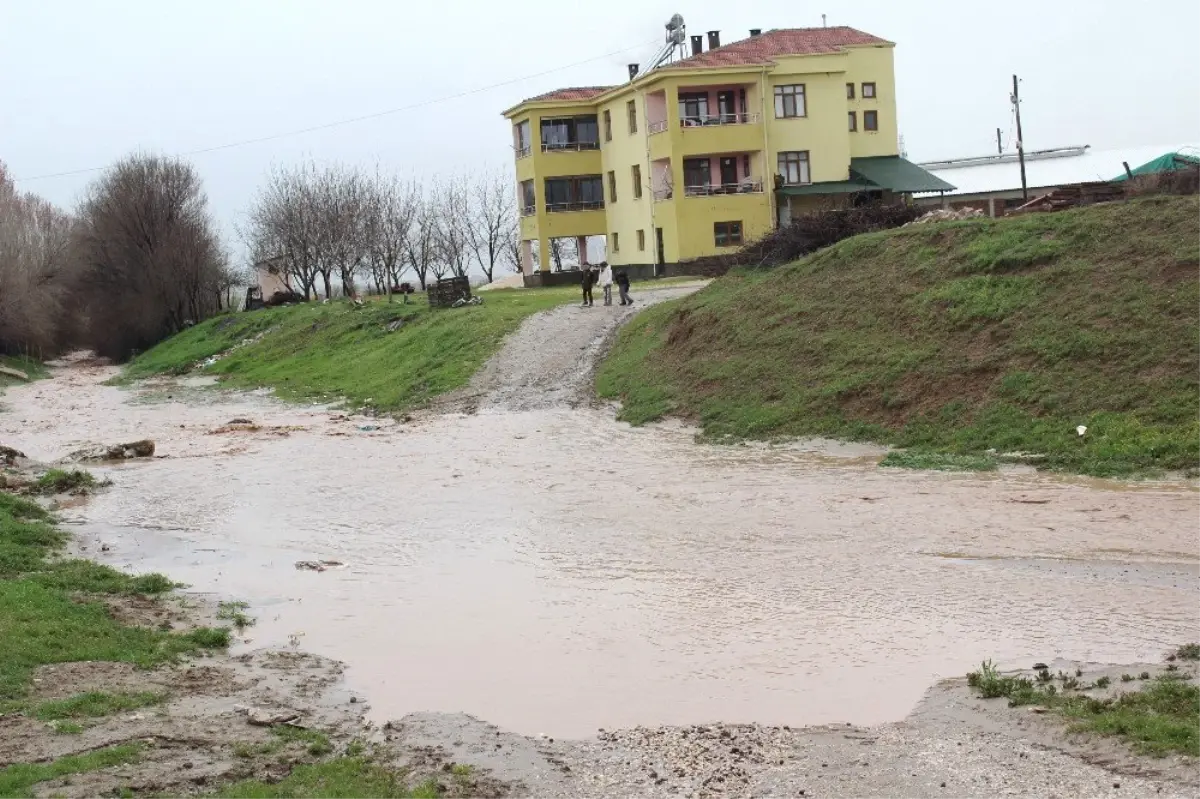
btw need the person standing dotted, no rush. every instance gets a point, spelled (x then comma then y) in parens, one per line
(589, 278)
(623, 284)
(606, 281)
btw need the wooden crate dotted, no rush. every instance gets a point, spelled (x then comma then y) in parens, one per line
(443, 293)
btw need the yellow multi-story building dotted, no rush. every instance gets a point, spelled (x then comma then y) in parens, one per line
(708, 152)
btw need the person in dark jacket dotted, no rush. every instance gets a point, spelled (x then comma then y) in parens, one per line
(622, 281)
(589, 279)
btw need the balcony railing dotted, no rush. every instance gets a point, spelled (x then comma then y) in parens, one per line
(718, 119)
(523, 152)
(592, 205)
(656, 127)
(663, 194)
(754, 186)
(569, 146)
(528, 210)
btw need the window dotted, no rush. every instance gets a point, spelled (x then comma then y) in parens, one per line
(616, 237)
(868, 91)
(608, 126)
(528, 201)
(870, 120)
(521, 138)
(631, 110)
(641, 234)
(794, 168)
(727, 234)
(849, 91)
(637, 181)
(853, 121)
(612, 186)
(693, 108)
(584, 193)
(697, 175)
(570, 133)
(789, 101)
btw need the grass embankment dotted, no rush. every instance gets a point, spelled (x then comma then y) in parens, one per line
(962, 339)
(1162, 717)
(335, 350)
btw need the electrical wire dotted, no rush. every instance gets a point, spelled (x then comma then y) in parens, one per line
(352, 120)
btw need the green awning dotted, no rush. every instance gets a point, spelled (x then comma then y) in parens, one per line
(830, 187)
(1164, 163)
(896, 174)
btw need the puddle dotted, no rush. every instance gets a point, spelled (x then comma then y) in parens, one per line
(555, 571)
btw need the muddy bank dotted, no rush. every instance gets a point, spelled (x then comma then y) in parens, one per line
(953, 744)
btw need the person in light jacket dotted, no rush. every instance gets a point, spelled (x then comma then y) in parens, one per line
(606, 281)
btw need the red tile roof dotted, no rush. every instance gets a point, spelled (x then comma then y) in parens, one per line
(772, 44)
(572, 93)
(747, 52)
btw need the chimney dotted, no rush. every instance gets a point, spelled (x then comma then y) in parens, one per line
(755, 32)
(633, 71)
(714, 40)
(697, 45)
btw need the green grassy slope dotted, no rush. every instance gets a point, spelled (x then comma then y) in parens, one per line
(953, 338)
(317, 350)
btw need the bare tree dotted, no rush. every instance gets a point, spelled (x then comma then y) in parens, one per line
(451, 203)
(36, 272)
(391, 213)
(150, 256)
(422, 249)
(490, 209)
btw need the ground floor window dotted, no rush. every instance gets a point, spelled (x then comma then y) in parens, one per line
(727, 234)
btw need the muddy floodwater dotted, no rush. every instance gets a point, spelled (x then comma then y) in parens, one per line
(556, 571)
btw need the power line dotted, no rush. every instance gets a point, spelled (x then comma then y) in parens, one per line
(353, 120)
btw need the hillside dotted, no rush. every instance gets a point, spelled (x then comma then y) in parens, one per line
(951, 339)
(337, 351)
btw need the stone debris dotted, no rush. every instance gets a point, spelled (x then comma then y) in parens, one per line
(319, 565)
(948, 215)
(113, 452)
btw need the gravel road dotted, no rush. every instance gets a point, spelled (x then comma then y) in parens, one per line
(550, 360)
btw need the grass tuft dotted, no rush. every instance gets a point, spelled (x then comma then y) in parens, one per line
(1160, 719)
(339, 777)
(59, 481)
(18, 779)
(940, 461)
(95, 704)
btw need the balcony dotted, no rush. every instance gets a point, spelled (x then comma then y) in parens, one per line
(701, 121)
(569, 146)
(523, 152)
(528, 210)
(747, 186)
(656, 127)
(584, 205)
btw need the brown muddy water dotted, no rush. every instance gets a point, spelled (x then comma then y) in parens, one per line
(555, 571)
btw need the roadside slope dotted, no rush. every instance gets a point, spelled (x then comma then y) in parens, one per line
(388, 357)
(954, 338)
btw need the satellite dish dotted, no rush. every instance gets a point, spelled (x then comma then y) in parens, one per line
(675, 22)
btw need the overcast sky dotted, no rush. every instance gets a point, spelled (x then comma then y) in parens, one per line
(82, 83)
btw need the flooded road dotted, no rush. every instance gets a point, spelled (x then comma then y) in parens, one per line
(555, 571)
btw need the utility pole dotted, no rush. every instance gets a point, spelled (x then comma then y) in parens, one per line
(999, 146)
(1016, 101)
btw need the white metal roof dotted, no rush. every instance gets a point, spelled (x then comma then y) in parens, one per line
(1091, 165)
